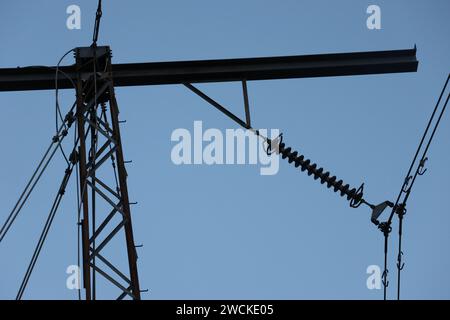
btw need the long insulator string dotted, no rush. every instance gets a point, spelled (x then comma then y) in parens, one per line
(354, 195)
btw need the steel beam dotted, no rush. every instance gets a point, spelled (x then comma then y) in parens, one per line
(179, 72)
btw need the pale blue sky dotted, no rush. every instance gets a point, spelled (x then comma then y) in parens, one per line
(225, 232)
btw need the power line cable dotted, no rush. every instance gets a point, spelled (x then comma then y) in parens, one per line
(58, 114)
(75, 143)
(45, 230)
(36, 176)
(61, 191)
(399, 207)
(57, 107)
(402, 207)
(98, 17)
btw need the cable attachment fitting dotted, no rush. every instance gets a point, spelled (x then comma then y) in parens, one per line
(73, 158)
(378, 210)
(400, 210)
(98, 17)
(70, 118)
(62, 188)
(356, 202)
(271, 146)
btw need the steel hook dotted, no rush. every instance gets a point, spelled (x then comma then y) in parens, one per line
(400, 265)
(421, 171)
(406, 184)
(384, 277)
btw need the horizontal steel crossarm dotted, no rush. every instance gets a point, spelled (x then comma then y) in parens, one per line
(179, 72)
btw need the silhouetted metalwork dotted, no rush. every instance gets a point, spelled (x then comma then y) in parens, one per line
(203, 71)
(399, 207)
(299, 160)
(98, 139)
(93, 96)
(355, 196)
(98, 17)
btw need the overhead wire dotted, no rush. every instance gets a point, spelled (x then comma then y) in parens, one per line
(36, 176)
(75, 143)
(57, 107)
(61, 191)
(93, 153)
(61, 132)
(45, 231)
(98, 17)
(400, 208)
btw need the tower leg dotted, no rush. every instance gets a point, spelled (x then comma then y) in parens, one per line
(100, 144)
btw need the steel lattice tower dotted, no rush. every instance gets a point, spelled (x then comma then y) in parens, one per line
(99, 141)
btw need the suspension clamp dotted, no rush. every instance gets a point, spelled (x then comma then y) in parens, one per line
(400, 210)
(385, 227)
(70, 118)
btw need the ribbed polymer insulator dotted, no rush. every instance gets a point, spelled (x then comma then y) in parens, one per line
(318, 173)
